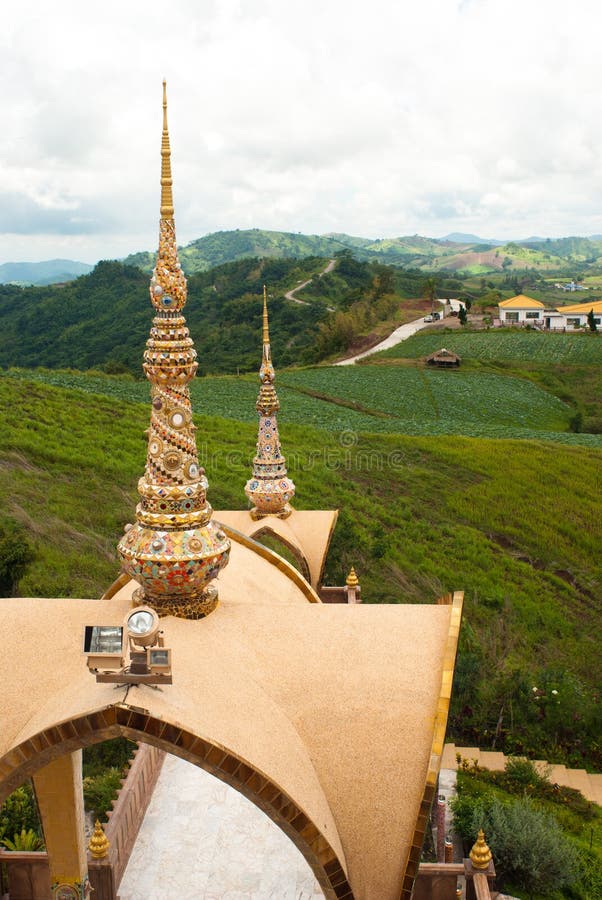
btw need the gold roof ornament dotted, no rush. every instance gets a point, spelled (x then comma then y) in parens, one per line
(480, 855)
(99, 842)
(269, 489)
(175, 549)
(352, 579)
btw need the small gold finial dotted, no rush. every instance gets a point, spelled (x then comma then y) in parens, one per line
(166, 180)
(480, 855)
(352, 579)
(99, 842)
(266, 327)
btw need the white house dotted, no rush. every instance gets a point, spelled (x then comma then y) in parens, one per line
(521, 310)
(575, 315)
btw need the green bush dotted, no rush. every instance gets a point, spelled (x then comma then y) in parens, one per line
(15, 553)
(19, 813)
(112, 754)
(529, 848)
(25, 840)
(100, 791)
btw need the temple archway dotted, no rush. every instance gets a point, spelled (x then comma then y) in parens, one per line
(122, 720)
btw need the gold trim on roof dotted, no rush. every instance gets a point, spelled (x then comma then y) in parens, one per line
(456, 601)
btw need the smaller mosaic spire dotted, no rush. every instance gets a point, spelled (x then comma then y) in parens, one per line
(269, 489)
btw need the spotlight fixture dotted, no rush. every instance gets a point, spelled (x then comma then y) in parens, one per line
(149, 660)
(104, 646)
(142, 626)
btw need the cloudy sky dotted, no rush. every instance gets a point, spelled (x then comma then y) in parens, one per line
(379, 118)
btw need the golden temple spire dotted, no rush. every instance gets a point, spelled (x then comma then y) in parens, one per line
(175, 549)
(269, 489)
(166, 179)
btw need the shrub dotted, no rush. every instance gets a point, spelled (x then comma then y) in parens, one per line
(100, 791)
(15, 553)
(528, 846)
(19, 813)
(26, 840)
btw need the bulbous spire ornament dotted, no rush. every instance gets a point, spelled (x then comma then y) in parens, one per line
(99, 842)
(269, 489)
(480, 855)
(175, 549)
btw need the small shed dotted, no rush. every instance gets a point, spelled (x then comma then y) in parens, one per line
(444, 358)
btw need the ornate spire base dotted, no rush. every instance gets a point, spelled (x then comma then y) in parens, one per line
(174, 567)
(188, 607)
(281, 512)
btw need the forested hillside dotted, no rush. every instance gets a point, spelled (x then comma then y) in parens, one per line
(101, 320)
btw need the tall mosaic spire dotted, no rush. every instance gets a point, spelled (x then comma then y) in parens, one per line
(269, 489)
(175, 549)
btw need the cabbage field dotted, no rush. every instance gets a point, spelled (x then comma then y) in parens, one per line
(380, 399)
(547, 347)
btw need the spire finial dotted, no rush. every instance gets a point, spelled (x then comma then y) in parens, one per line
(99, 842)
(352, 579)
(269, 489)
(166, 180)
(480, 855)
(175, 549)
(266, 327)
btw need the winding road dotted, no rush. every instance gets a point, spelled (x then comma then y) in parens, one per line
(291, 294)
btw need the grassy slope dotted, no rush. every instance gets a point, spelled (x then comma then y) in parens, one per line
(516, 524)
(390, 400)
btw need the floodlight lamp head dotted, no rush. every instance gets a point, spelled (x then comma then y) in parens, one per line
(142, 626)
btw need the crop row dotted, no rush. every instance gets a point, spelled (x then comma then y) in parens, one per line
(387, 400)
(515, 345)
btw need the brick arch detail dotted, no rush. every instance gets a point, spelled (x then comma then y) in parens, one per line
(121, 720)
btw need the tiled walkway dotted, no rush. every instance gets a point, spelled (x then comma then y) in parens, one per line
(202, 840)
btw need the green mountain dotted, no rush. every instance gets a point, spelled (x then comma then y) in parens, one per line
(53, 271)
(570, 256)
(226, 246)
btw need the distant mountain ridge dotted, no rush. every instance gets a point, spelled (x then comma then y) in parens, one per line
(475, 256)
(466, 254)
(52, 271)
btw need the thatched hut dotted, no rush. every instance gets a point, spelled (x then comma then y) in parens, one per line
(444, 358)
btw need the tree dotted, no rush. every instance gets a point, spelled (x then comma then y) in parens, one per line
(463, 317)
(591, 320)
(15, 553)
(429, 290)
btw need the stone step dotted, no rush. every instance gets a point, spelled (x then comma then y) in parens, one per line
(578, 779)
(596, 785)
(448, 758)
(493, 760)
(558, 774)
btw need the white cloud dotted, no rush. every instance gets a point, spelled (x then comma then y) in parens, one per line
(378, 119)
